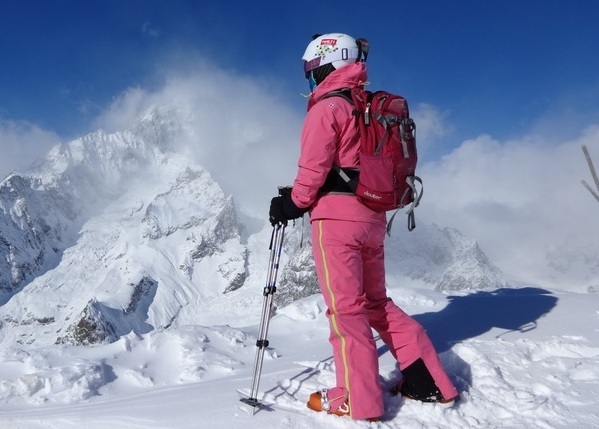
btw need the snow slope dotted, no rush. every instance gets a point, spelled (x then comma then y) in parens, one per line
(522, 358)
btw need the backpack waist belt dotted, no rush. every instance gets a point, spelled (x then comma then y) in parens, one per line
(340, 180)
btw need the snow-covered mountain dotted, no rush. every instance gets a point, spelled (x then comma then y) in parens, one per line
(121, 241)
(113, 233)
(41, 210)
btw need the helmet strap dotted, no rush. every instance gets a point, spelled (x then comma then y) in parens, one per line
(362, 50)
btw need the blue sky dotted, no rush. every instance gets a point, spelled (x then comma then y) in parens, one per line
(493, 67)
(503, 92)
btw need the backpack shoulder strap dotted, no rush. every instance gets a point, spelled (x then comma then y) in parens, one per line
(347, 94)
(343, 93)
(341, 180)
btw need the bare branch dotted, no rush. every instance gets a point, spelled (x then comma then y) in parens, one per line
(591, 166)
(595, 194)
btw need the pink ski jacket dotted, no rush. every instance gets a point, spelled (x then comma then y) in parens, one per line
(330, 136)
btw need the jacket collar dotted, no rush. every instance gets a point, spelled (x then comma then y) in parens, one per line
(349, 76)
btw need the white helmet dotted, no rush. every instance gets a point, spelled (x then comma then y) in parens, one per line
(337, 49)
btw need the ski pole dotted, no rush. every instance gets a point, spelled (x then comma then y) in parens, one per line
(276, 246)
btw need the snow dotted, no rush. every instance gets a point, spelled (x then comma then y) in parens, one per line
(521, 358)
(158, 264)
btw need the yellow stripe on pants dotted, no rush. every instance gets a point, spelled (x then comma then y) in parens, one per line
(334, 314)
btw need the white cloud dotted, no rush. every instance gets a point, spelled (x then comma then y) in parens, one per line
(148, 29)
(524, 203)
(431, 126)
(124, 110)
(22, 143)
(521, 199)
(244, 135)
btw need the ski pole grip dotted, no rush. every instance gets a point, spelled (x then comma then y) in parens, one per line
(284, 190)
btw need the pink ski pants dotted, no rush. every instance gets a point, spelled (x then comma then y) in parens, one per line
(349, 258)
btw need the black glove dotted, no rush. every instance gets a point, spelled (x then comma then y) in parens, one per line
(283, 209)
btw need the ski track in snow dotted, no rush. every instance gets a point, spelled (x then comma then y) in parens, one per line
(193, 376)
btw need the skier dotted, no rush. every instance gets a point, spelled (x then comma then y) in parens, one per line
(347, 239)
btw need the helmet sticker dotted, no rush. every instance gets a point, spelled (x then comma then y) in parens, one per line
(326, 46)
(331, 42)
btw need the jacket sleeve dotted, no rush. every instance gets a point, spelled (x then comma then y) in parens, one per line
(319, 142)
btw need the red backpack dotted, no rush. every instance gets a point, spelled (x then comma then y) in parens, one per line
(388, 155)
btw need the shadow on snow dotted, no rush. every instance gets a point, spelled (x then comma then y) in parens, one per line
(472, 315)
